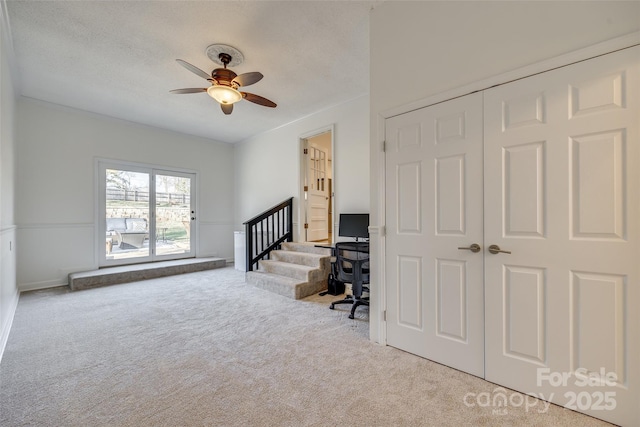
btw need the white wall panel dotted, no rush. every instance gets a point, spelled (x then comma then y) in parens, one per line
(523, 111)
(451, 299)
(409, 137)
(450, 195)
(598, 315)
(8, 289)
(409, 191)
(8, 284)
(409, 297)
(524, 312)
(47, 253)
(450, 128)
(598, 205)
(267, 165)
(56, 200)
(600, 94)
(211, 233)
(524, 193)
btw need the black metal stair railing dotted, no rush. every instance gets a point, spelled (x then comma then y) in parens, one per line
(267, 231)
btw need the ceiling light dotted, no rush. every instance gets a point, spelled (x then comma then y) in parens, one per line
(224, 94)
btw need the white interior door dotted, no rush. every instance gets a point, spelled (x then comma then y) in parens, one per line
(434, 208)
(317, 194)
(561, 194)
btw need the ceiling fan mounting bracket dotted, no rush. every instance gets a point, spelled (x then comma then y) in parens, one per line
(216, 53)
(225, 58)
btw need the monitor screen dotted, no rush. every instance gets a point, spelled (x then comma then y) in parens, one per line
(354, 225)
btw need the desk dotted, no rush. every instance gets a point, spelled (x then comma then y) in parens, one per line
(358, 247)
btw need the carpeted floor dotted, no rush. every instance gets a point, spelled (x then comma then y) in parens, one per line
(206, 349)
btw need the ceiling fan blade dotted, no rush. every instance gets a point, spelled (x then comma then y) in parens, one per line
(194, 69)
(227, 108)
(189, 90)
(247, 79)
(256, 99)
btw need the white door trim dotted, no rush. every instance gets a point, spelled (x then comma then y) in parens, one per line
(377, 323)
(99, 230)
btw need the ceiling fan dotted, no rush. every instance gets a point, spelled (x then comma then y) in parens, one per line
(224, 82)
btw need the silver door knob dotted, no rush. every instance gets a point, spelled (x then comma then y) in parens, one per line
(495, 249)
(473, 248)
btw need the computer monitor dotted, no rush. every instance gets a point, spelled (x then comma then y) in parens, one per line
(354, 225)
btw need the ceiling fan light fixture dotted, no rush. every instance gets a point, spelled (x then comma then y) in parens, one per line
(224, 94)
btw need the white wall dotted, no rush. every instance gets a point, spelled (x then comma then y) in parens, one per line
(8, 286)
(439, 46)
(56, 200)
(443, 45)
(267, 166)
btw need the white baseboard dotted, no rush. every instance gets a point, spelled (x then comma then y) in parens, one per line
(25, 287)
(4, 336)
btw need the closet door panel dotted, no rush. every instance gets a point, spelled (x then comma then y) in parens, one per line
(434, 193)
(561, 195)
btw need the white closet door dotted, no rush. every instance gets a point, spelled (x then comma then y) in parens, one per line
(561, 194)
(434, 206)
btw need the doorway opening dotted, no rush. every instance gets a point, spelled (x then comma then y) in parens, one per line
(317, 184)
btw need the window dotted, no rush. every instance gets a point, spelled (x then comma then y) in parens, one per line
(145, 214)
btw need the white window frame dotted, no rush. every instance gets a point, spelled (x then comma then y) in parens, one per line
(101, 164)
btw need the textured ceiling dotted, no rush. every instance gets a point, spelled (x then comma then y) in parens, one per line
(117, 58)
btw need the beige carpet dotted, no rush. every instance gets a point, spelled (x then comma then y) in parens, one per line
(206, 349)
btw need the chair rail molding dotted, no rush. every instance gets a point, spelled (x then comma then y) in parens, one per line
(56, 225)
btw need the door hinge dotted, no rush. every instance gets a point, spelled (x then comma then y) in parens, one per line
(384, 146)
(384, 316)
(306, 188)
(306, 151)
(306, 225)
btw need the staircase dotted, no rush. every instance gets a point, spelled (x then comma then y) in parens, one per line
(295, 271)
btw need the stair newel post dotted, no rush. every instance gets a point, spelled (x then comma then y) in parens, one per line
(289, 212)
(249, 248)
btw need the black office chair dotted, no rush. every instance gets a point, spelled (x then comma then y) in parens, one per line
(352, 266)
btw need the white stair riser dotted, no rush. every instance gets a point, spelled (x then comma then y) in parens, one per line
(287, 270)
(290, 270)
(261, 281)
(283, 286)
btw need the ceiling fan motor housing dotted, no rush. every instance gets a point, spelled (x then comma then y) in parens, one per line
(224, 76)
(224, 82)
